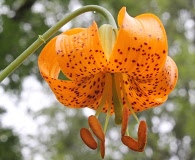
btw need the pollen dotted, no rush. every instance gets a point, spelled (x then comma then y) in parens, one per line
(88, 138)
(96, 127)
(137, 145)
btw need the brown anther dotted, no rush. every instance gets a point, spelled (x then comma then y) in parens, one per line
(102, 149)
(124, 120)
(87, 138)
(130, 143)
(96, 127)
(142, 139)
(142, 135)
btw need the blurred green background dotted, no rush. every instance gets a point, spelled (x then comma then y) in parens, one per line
(34, 126)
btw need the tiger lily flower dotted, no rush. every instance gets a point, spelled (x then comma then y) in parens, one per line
(114, 71)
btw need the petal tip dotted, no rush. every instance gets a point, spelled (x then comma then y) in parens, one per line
(121, 15)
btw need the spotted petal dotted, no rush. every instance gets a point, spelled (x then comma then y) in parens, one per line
(141, 45)
(80, 54)
(147, 94)
(76, 94)
(163, 83)
(85, 93)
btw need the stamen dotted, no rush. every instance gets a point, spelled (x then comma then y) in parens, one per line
(127, 131)
(118, 86)
(142, 138)
(109, 101)
(127, 101)
(124, 120)
(102, 149)
(130, 143)
(142, 135)
(96, 127)
(107, 118)
(108, 80)
(87, 138)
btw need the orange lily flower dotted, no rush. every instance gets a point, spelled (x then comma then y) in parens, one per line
(115, 71)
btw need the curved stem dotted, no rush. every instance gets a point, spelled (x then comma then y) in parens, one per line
(43, 38)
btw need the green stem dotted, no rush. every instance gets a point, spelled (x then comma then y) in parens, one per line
(43, 38)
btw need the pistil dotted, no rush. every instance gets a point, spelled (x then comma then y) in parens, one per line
(117, 101)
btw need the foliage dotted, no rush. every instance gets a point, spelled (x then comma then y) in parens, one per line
(20, 23)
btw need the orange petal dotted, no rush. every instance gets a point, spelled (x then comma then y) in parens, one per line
(137, 97)
(152, 91)
(86, 92)
(80, 54)
(142, 135)
(125, 117)
(130, 143)
(163, 82)
(141, 45)
(96, 127)
(76, 94)
(47, 61)
(88, 138)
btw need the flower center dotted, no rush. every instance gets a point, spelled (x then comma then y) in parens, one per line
(113, 95)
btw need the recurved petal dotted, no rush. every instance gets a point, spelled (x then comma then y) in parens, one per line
(163, 82)
(147, 94)
(141, 45)
(47, 61)
(138, 98)
(80, 54)
(76, 94)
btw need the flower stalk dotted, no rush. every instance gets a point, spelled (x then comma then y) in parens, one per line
(43, 38)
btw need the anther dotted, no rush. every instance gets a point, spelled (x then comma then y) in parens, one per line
(87, 138)
(124, 120)
(142, 135)
(96, 127)
(130, 143)
(102, 149)
(142, 138)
